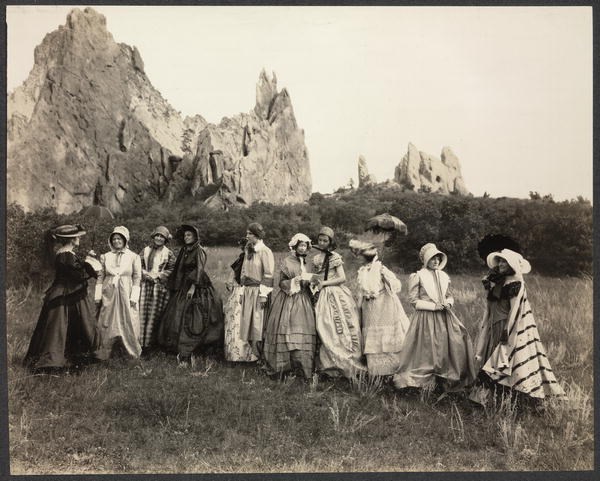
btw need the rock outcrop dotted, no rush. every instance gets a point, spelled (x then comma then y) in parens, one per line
(88, 126)
(364, 178)
(421, 172)
(256, 156)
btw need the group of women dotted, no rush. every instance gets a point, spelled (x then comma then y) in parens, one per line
(313, 323)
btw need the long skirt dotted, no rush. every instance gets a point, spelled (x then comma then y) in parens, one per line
(521, 363)
(154, 297)
(384, 328)
(290, 334)
(64, 331)
(118, 322)
(437, 347)
(338, 328)
(188, 324)
(235, 349)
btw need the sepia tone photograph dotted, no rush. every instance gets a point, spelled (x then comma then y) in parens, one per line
(299, 239)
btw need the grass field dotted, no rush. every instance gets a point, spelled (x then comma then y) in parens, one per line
(150, 416)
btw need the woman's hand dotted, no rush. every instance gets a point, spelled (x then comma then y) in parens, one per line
(447, 305)
(190, 292)
(133, 304)
(229, 286)
(439, 306)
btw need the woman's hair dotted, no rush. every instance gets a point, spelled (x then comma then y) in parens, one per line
(49, 249)
(369, 257)
(332, 243)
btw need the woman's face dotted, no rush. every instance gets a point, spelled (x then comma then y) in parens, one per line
(159, 240)
(323, 241)
(301, 247)
(75, 241)
(503, 266)
(252, 239)
(434, 262)
(189, 237)
(117, 241)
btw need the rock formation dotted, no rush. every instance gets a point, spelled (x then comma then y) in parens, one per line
(422, 172)
(88, 126)
(364, 178)
(255, 156)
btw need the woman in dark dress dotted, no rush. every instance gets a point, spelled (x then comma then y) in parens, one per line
(65, 328)
(194, 315)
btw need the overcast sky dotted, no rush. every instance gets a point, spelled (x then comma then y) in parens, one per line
(509, 89)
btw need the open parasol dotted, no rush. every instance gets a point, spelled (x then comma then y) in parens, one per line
(95, 213)
(496, 242)
(380, 228)
(386, 223)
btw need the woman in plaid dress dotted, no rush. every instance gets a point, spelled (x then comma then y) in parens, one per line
(158, 262)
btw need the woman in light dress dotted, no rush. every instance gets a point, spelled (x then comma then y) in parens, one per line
(384, 322)
(437, 352)
(236, 349)
(337, 317)
(118, 294)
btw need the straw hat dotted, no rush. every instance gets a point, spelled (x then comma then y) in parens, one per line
(515, 260)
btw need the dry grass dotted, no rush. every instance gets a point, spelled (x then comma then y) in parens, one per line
(151, 417)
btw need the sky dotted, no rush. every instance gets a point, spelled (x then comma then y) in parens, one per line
(508, 89)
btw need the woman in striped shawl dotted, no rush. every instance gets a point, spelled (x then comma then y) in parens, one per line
(508, 348)
(158, 262)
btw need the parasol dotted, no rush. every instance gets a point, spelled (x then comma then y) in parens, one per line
(95, 213)
(386, 223)
(496, 242)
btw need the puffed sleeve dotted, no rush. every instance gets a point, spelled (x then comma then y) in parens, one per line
(266, 283)
(391, 279)
(413, 295)
(136, 277)
(510, 290)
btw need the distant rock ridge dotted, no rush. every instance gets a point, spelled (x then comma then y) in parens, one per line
(88, 126)
(422, 172)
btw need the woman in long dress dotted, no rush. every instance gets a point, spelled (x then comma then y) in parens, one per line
(64, 331)
(509, 351)
(384, 322)
(194, 315)
(290, 337)
(337, 318)
(438, 351)
(158, 262)
(118, 293)
(236, 349)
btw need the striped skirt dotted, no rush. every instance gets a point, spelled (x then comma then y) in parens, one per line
(521, 363)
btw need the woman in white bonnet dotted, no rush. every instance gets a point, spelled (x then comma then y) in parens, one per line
(508, 347)
(437, 352)
(290, 331)
(118, 294)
